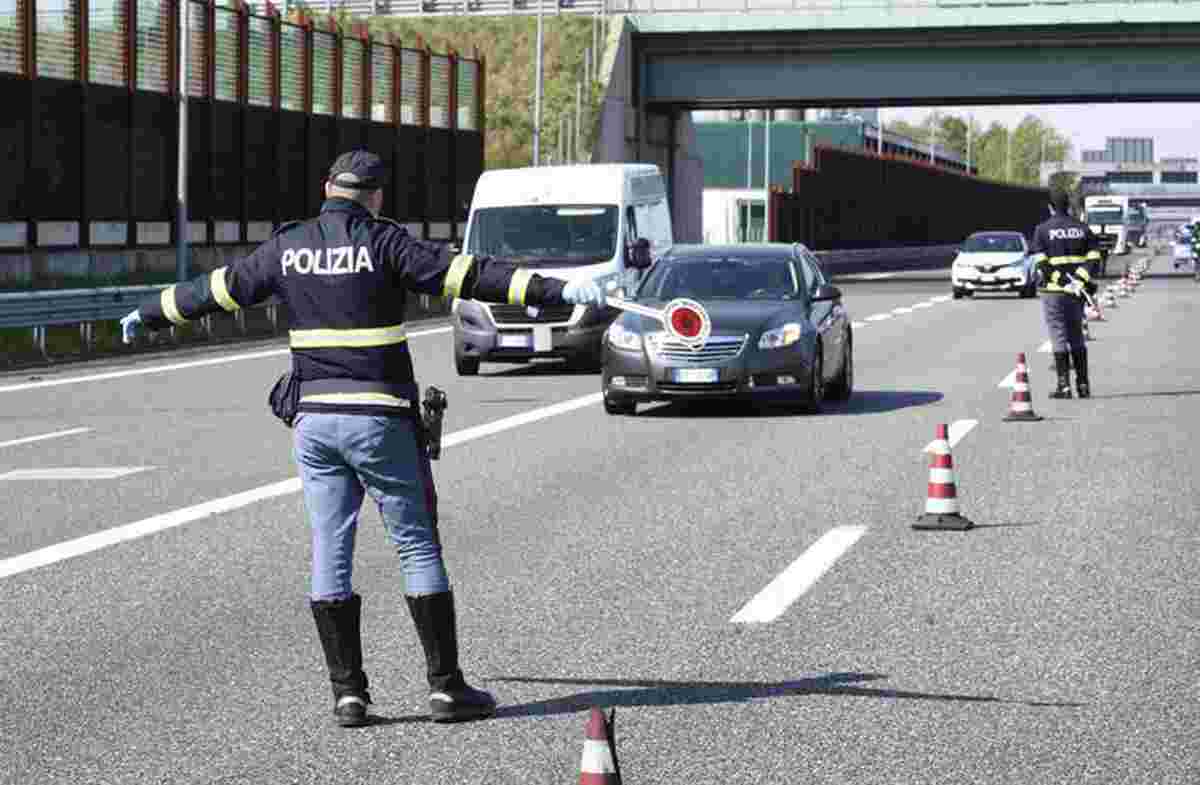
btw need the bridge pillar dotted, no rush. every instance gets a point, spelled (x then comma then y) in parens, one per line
(630, 132)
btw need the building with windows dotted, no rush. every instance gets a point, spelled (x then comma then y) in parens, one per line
(1125, 160)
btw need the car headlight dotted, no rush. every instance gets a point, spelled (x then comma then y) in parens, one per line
(621, 338)
(780, 337)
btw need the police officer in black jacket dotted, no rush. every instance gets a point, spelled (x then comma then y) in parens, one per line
(345, 276)
(1063, 250)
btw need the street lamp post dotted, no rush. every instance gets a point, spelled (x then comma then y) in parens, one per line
(537, 99)
(181, 210)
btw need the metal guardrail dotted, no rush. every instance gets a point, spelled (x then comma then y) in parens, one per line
(58, 307)
(886, 260)
(70, 306)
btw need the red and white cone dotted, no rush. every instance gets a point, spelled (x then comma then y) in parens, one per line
(598, 765)
(941, 505)
(1020, 407)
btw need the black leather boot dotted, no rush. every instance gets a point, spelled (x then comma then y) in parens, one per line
(451, 699)
(338, 627)
(1082, 386)
(1062, 366)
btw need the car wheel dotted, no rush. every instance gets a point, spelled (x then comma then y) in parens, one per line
(466, 366)
(620, 406)
(958, 294)
(1030, 290)
(816, 387)
(843, 387)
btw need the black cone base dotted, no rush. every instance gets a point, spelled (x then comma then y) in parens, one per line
(943, 522)
(1021, 417)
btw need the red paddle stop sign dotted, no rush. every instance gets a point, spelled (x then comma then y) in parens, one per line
(686, 322)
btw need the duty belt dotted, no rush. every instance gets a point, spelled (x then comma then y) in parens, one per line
(354, 391)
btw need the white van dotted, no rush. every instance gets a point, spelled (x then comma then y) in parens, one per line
(558, 221)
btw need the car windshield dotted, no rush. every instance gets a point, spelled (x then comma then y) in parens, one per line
(575, 234)
(1108, 216)
(993, 243)
(720, 279)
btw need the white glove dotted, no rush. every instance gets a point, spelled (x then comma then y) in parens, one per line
(131, 325)
(1075, 287)
(583, 290)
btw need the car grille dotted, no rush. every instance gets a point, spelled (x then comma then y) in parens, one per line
(515, 314)
(718, 348)
(672, 387)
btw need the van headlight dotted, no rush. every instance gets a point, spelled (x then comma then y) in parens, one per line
(779, 337)
(621, 338)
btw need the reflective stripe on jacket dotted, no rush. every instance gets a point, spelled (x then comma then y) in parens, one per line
(345, 278)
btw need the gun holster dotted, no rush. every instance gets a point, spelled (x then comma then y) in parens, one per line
(433, 408)
(284, 398)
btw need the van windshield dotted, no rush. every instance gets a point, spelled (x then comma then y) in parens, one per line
(555, 234)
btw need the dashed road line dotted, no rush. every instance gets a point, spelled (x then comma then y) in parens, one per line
(879, 317)
(131, 531)
(958, 429)
(74, 473)
(770, 603)
(44, 436)
(902, 310)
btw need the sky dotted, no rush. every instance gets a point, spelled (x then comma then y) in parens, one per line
(1175, 128)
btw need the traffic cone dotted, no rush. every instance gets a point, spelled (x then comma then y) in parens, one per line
(598, 765)
(941, 505)
(1020, 407)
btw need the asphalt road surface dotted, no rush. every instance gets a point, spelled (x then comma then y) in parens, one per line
(609, 561)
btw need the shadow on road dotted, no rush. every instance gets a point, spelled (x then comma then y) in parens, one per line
(653, 692)
(544, 368)
(862, 402)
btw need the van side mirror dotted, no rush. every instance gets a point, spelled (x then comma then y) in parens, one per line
(826, 291)
(637, 254)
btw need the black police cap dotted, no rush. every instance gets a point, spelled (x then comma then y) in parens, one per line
(358, 169)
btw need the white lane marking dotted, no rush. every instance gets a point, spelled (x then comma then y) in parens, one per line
(874, 276)
(923, 305)
(1045, 348)
(175, 366)
(879, 317)
(157, 523)
(1008, 381)
(856, 325)
(770, 603)
(902, 310)
(44, 436)
(958, 429)
(487, 429)
(942, 298)
(74, 473)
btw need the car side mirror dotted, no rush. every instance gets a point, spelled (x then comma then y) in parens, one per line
(826, 291)
(637, 254)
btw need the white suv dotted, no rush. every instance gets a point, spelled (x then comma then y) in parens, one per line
(994, 262)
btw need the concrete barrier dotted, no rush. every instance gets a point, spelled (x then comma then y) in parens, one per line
(887, 260)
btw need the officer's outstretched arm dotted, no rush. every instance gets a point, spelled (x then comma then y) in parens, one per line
(430, 268)
(244, 283)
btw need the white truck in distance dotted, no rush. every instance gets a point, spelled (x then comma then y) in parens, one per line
(1119, 223)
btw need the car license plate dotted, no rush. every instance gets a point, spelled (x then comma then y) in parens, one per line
(541, 339)
(694, 375)
(988, 279)
(514, 340)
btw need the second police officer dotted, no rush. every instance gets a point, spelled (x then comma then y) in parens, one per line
(1064, 249)
(345, 276)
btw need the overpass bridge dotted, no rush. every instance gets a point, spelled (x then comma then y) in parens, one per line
(712, 54)
(1163, 201)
